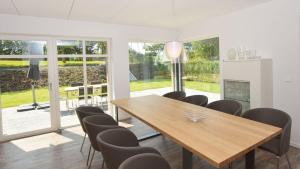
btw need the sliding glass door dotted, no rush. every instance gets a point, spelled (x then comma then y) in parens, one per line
(44, 79)
(82, 75)
(24, 88)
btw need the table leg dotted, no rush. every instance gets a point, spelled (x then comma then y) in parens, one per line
(187, 159)
(116, 113)
(250, 160)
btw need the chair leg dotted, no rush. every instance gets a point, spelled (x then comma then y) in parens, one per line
(83, 142)
(230, 165)
(278, 161)
(288, 160)
(102, 164)
(101, 102)
(92, 159)
(87, 161)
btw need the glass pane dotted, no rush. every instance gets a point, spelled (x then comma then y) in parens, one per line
(150, 73)
(96, 47)
(24, 95)
(21, 47)
(97, 81)
(71, 92)
(201, 72)
(69, 47)
(150, 70)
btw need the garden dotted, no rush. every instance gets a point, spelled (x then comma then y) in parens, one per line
(16, 86)
(152, 70)
(149, 69)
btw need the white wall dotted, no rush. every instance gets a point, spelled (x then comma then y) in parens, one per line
(119, 35)
(273, 29)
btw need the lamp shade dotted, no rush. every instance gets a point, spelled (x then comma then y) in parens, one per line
(173, 49)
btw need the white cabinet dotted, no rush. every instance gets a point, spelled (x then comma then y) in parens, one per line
(258, 73)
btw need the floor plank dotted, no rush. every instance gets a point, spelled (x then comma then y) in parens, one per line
(61, 151)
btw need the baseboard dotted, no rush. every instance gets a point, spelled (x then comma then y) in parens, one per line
(297, 145)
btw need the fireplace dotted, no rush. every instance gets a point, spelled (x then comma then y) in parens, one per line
(238, 91)
(249, 82)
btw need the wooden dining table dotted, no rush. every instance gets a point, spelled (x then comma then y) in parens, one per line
(218, 138)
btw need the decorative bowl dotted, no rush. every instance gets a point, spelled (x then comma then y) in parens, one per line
(194, 116)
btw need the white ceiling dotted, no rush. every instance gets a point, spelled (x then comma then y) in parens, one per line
(155, 13)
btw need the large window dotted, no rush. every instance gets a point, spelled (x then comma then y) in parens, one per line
(150, 73)
(201, 72)
(150, 70)
(82, 68)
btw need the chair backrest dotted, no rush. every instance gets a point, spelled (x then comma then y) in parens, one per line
(90, 90)
(199, 100)
(226, 106)
(84, 111)
(145, 161)
(276, 118)
(76, 84)
(177, 95)
(81, 91)
(117, 145)
(96, 124)
(104, 89)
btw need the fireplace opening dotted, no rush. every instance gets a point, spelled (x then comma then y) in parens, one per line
(238, 91)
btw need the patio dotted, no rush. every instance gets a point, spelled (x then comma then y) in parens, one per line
(18, 122)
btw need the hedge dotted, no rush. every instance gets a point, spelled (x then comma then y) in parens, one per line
(15, 79)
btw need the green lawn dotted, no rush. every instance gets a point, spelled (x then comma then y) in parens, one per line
(12, 99)
(203, 86)
(160, 83)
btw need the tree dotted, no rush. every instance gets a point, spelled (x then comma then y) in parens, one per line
(205, 49)
(96, 47)
(154, 51)
(13, 47)
(135, 57)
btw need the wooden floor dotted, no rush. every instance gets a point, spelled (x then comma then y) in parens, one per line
(61, 151)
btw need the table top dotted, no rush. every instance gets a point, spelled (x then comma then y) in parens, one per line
(67, 89)
(219, 138)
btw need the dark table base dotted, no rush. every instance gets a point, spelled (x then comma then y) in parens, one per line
(187, 159)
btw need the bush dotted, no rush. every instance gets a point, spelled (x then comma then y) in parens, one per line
(15, 79)
(204, 70)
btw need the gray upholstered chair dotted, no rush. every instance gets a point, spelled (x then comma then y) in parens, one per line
(95, 125)
(280, 144)
(199, 100)
(84, 111)
(177, 95)
(145, 161)
(227, 106)
(117, 145)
